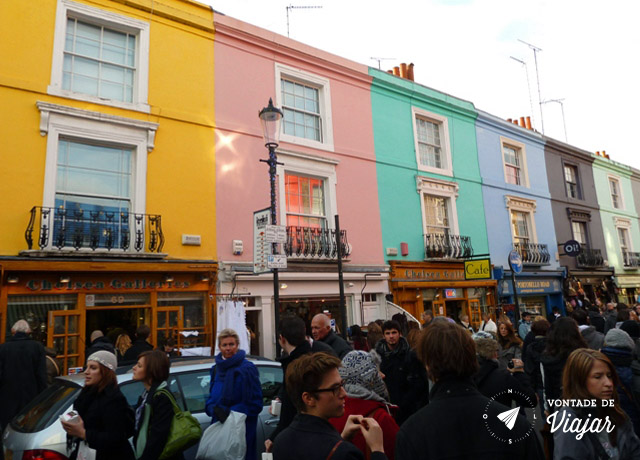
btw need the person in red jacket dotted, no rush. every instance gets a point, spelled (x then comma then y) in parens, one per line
(367, 395)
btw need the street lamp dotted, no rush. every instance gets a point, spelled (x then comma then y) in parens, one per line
(270, 118)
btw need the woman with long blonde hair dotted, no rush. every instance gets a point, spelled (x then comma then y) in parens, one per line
(591, 376)
(123, 343)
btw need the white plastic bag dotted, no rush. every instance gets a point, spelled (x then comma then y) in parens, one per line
(85, 452)
(224, 441)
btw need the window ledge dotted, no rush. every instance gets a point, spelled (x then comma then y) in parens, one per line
(137, 106)
(442, 172)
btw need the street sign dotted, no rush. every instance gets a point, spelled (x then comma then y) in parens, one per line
(515, 262)
(261, 248)
(276, 261)
(572, 248)
(479, 269)
(276, 233)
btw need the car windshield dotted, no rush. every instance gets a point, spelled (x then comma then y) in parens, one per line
(45, 408)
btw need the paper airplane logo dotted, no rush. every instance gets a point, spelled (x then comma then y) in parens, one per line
(509, 417)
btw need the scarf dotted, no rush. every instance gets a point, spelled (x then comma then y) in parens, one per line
(225, 373)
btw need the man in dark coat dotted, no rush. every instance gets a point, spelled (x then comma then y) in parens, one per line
(404, 375)
(138, 346)
(595, 318)
(99, 342)
(593, 338)
(316, 388)
(294, 342)
(459, 422)
(321, 330)
(23, 371)
(611, 317)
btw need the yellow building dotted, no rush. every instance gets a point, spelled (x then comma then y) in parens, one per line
(108, 170)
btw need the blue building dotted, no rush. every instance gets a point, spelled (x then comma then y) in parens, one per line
(518, 211)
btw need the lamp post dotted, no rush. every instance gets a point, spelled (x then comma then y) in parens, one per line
(270, 118)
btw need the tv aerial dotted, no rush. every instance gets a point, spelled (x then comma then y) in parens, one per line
(296, 7)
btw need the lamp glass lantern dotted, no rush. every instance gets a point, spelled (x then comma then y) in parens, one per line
(270, 118)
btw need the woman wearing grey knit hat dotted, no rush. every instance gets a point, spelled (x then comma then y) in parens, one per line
(367, 395)
(104, 420)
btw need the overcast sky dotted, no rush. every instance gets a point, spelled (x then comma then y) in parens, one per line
(463, 47)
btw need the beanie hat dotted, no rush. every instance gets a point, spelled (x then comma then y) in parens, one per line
(106, 358)
(632, 328)
(617, 338)
(361, 377)
(482, 335)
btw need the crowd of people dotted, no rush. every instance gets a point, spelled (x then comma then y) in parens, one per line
(392, 389)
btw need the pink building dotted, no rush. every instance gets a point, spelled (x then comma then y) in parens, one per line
(329, 168)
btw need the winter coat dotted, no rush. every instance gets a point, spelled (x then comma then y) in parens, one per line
(596, 320)
(621, 359)
(524, 328)
(313, 438)
(235, 386)
(610, 320)
(159, 423)
(529, 338)
(23, 374)
(100, 344)
(108, 421)
(593, 338)
(452, 426)
(507, 354)
(405, 377)
(137, 347)
(489, 326)
(339, 345)
(567, 447)
(532, 361)
(288, 409)
(492, 380)
(553, 367)
(380, 411)
(635, 369)
(319, 346)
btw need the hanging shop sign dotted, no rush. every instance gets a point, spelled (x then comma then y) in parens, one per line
(477, 269)
(572, 248)
(450, 293)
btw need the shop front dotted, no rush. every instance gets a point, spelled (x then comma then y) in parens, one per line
(628, 288)
(596, 284)
(442, 288)
(64, 301)
(303, 294)
(538, 292)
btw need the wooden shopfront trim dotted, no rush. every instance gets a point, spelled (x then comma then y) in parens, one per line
(441, 285)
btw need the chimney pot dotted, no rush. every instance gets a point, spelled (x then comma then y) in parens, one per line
(528, 120)
(390, 71)
(598, 152)
(522, 122)
(403, 70)
(396, 71)
(410, 72)
(509, 120)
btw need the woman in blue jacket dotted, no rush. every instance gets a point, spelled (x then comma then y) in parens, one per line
(235, 386)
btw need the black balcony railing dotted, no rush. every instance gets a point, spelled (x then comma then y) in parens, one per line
(59, 228)
(590, 258)
(631, 259)
(315, 243)
(533, 253)
(447, 246)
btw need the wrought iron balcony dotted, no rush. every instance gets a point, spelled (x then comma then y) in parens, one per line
(590, 258)
(315, 243)
(533, 253)
(447, 246)
(631, 259)
(61, 228)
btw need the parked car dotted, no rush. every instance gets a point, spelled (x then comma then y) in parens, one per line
(36, 433)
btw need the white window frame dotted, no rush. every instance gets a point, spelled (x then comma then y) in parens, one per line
(625, 224)
(66, 9)
(58, 121)
(616, 179)
(524, 179)
(440, 188)
(516, 203)
(307, 165)
(324, 99)
(443, 123)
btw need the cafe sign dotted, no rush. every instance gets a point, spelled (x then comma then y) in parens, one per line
(477, 269)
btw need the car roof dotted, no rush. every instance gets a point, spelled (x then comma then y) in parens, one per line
(181, 364)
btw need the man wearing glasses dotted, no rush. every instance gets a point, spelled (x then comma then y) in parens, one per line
(316, 389)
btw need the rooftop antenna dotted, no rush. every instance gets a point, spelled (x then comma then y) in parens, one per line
(526, 70)
(559, 101)
(535, 50)
(294, 7)
(380, 59)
